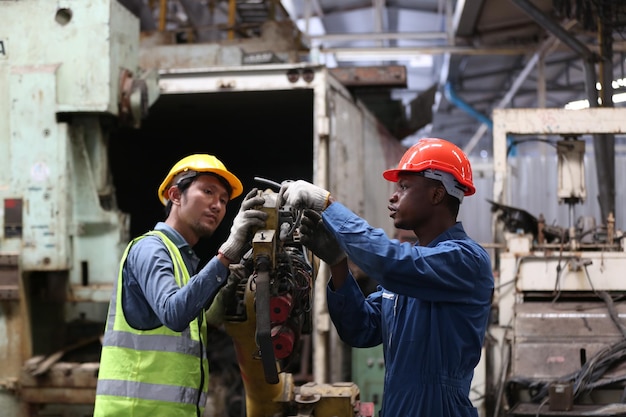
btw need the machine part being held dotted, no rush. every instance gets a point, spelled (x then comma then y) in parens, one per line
(272, 309)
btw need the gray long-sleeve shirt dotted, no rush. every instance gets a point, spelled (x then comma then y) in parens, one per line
(150, 295)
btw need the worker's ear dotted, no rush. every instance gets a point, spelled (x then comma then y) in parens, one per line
(173, 193)
(438, 194)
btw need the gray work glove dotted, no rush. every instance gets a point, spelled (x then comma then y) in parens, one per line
(301, 194)
(225, 296)
(315, 236)
(243, 227)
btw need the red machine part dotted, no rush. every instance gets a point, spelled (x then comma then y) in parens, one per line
(366, 409)
(283, 339)
(280, 308)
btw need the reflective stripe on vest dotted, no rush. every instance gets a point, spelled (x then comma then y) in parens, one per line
(144, 369)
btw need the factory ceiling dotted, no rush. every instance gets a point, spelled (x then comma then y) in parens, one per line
(461, 58)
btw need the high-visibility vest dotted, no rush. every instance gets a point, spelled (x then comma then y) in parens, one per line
(152, 373)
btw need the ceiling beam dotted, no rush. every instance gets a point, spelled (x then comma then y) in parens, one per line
(517, 83)
(429, 50)
(392, 76)
(378, 36)
(466, 16)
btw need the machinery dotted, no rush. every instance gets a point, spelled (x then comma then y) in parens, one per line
(559, 331)
(61, 231)
(267, 319)
(76, 185)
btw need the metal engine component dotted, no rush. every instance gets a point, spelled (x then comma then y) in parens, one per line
(271, 312)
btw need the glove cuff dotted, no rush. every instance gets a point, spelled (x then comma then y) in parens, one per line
(227, 258)
(231, 251)
(327, 201)
(321, 199)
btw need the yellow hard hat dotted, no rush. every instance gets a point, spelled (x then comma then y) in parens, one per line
(200, 163)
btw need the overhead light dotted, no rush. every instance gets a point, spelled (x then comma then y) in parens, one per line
(583, 104)
(617, 98)
(577, 105)
(621, 82)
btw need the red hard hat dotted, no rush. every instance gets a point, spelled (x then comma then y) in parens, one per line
(436, 154)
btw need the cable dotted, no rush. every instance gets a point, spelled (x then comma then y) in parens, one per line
(588, 377)
(503, 371)
(540, 406)
(520, 141)
(272, 184)
(585, 379)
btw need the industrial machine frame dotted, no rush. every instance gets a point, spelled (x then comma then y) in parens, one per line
(557, 316)
(73, 124)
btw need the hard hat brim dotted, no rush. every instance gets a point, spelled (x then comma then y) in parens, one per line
(392, 175)
(232, 180)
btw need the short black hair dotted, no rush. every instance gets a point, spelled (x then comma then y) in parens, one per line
(185, 183)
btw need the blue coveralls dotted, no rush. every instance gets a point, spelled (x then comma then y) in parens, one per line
(430, 313)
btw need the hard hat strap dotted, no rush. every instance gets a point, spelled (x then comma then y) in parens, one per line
(181, 176)
(191, 175)
(452, 186)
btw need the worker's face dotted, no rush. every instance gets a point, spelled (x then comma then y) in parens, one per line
(411, 204)
(203, 205)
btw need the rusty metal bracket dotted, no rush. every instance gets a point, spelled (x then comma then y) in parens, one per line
(10, 384)
(9, 278)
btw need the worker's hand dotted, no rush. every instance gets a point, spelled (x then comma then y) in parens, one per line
(243, 227)
(318, 239)
(225, 297)
(301, 194)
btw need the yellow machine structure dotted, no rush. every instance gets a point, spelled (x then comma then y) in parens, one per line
(272, 310)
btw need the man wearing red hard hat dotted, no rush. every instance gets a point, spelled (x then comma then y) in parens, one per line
(433, 299)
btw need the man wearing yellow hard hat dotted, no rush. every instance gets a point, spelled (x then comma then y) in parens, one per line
(154, 353)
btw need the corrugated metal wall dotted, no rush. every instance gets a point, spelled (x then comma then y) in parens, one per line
(533, 187)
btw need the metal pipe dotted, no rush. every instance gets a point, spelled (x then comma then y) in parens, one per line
(379, 8)
(460, 103)
(604, 145)
(375, 36)
(162, 14)
(449, 22)
(426, 50)
(232, 14)
(322, 326)
(307, 18)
